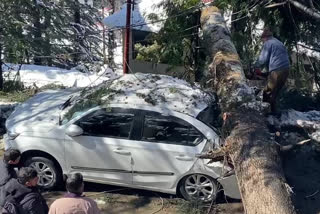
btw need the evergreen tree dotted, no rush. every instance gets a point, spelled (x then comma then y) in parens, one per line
(177, 42)
(50, 32)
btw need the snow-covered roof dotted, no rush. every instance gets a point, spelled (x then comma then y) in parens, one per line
(139, 16)
(154, 90)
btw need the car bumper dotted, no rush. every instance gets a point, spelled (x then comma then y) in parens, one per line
(7, 142)
(229, 183)
(230, 186)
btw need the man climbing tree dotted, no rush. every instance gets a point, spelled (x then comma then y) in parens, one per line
(274, 57)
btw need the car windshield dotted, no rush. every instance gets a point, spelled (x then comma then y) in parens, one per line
(75, 114)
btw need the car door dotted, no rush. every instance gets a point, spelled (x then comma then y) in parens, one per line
(100, 153)
(166, 150)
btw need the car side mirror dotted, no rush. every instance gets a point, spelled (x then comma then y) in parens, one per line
(74, 130)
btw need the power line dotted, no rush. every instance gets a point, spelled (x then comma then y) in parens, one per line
(143, 40)
(249, 10)
(198, 6)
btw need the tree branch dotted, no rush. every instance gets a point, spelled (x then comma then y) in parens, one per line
(311, 12)
(311, 4)
(290, 147)
(310, 48)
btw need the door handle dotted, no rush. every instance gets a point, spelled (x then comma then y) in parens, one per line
(122, 152)
(184, 158)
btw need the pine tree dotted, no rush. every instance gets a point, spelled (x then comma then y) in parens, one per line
(50, 32)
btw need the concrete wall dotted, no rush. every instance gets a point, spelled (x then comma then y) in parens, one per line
(149, 67)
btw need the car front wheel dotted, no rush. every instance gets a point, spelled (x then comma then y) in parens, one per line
(198, 187)
(48, 173)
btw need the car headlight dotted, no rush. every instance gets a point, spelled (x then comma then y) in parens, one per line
(12, 135)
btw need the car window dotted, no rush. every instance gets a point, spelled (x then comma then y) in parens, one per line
(170, 130)
(75, 114)
(102, 123)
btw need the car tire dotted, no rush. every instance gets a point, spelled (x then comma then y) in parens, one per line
(49, 174)
(199, 187)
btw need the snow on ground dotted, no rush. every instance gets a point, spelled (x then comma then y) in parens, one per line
(303, 119)
(136, 89)
(40, 76)
(309, 121)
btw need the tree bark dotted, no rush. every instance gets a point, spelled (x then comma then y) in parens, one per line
(311, 12)
(311, 4)
(1, 73)
(111, 39)
(254, 153)
(37, 33)
(47, 39)
(78, 43)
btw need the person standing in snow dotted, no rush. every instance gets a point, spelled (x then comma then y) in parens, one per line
(73, 201)
(274, 56)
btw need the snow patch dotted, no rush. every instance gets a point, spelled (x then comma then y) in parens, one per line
(35, 75)
(302, 119)
(100, 202)
(309, 121)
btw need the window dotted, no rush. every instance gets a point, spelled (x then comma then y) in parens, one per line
(170, 130)
(107, 124)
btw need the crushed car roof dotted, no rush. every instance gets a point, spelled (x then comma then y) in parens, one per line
(147, 89)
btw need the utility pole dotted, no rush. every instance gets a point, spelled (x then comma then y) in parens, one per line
(127, 39)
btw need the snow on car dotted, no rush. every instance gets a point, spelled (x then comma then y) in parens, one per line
(139, 130)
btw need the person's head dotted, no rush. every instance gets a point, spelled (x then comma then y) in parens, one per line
(266, 34)
(74, 184)
(12, 156)
(28, 176)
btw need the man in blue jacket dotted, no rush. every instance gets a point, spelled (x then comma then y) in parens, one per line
(274, 57)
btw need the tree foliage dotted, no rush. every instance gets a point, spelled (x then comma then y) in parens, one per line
(290, 25)
(176, 42)
(49, 32)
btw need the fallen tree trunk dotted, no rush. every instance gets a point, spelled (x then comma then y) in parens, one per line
(249, 144)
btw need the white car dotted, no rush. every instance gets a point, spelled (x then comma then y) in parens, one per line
(137, 146)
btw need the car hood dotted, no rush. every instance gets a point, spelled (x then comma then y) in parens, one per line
(39, 112)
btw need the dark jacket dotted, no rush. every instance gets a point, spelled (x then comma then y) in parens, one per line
(6, 173)
(30, 200)
(273, 55)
